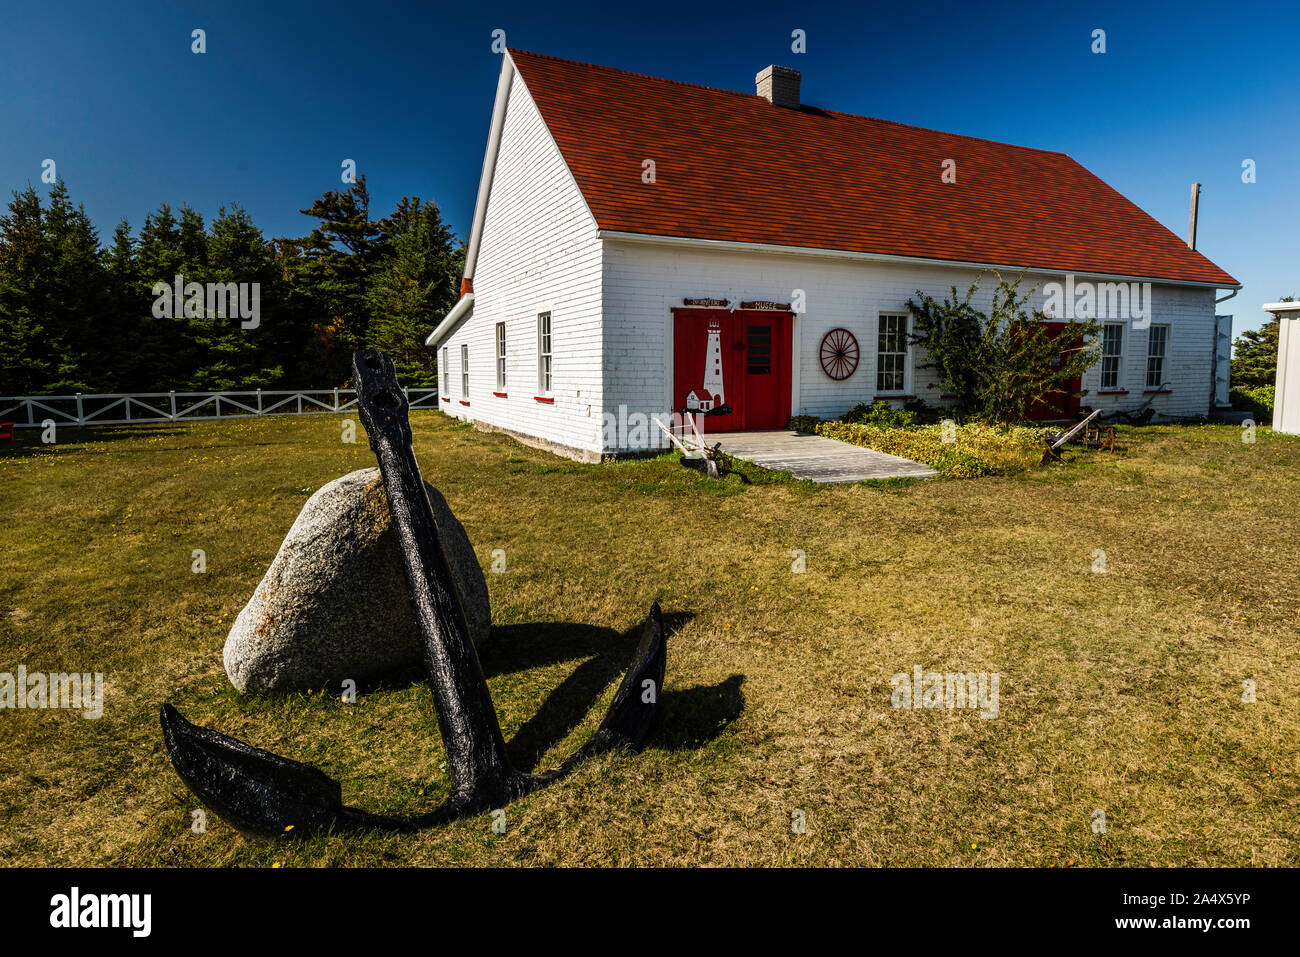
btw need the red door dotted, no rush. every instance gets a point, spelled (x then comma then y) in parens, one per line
(1062, 404)
(741, 360)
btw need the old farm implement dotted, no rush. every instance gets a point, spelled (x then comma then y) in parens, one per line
(1053, 441)
(696, 453)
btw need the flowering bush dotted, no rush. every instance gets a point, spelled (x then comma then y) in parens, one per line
(976, 449)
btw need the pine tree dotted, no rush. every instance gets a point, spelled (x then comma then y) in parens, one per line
(76, 284)
(119, 326)
(340, 258)
(231, 356)
(164, 355)
(1254, 355)
(415, 289)
(193, 245)
(25, 362)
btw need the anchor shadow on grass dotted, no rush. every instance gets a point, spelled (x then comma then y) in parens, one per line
(689, 718)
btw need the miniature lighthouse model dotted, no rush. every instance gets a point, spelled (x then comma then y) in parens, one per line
(713, 364)
(709, 395)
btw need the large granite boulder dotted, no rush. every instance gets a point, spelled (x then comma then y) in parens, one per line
(334, 604)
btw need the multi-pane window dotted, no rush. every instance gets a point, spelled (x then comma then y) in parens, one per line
(1112, 354)
(891, 354)
(544, 353)
(464, 371)
(501, 357)
(758, 350)
(444, 373)
(1157, 349)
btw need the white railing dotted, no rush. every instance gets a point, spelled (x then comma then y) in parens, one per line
(30, 411)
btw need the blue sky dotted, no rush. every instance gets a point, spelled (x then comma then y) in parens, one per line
(287, 91)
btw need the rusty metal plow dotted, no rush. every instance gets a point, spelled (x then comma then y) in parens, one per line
(265, 795)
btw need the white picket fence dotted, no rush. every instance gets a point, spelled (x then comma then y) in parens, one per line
(30, 411)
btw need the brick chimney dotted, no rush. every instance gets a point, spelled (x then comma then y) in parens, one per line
(779, 85)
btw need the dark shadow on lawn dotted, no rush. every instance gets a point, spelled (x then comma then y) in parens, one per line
(688, 719)
(27, 440)
(691, 718)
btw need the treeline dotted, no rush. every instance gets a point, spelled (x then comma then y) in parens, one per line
(79, 315)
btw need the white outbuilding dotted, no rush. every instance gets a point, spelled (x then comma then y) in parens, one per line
(1286, 401)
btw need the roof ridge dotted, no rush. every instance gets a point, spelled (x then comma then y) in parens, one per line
(644, 76)
(754, 96)
(1040, 208)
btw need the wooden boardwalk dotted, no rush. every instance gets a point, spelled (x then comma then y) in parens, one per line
(815, 457)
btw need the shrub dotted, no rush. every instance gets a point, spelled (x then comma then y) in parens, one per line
(1258, 401)
(1004, 363)
(803, 423)
(977, 450)
(880, 413)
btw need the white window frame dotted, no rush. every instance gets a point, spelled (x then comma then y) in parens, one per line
(464, 370)
(1116, 370)
(501, 357)
(443, 372)
(1162, 358)
(905, 354)
(545, 353)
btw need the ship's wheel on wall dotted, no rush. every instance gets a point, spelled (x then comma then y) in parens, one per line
(839, 354)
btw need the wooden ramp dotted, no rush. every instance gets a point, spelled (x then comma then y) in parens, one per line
(816, 458)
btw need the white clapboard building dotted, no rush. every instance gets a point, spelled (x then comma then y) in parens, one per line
(643, 246)
(1286, 397)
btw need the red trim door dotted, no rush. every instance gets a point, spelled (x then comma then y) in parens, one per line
(1062, 404)
(742, 359)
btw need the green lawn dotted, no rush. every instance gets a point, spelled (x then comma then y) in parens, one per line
(1119, 691)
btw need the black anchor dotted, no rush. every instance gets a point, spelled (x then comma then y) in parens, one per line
(265, 795)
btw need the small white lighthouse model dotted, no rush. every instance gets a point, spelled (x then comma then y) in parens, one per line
(709, 395)
(713, 363)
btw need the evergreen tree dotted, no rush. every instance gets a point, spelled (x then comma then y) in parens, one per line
(1254, 355)
(164, 355)
(415, 289)
(74, 298)
(78, 317)
(231, 356)
(341, 256)
(116, 337)
(26, 364)
(194, 245)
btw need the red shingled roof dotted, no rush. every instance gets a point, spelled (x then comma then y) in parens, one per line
(731, 166)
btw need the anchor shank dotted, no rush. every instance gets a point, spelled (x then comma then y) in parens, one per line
(471, 736)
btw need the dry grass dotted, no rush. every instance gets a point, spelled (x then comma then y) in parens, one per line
(1119, 691)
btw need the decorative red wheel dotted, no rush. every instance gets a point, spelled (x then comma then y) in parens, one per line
(839, 354)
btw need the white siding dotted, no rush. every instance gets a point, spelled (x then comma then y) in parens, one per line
(1286, 407)
(611, 311)
(539, 252)
(643, 282)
